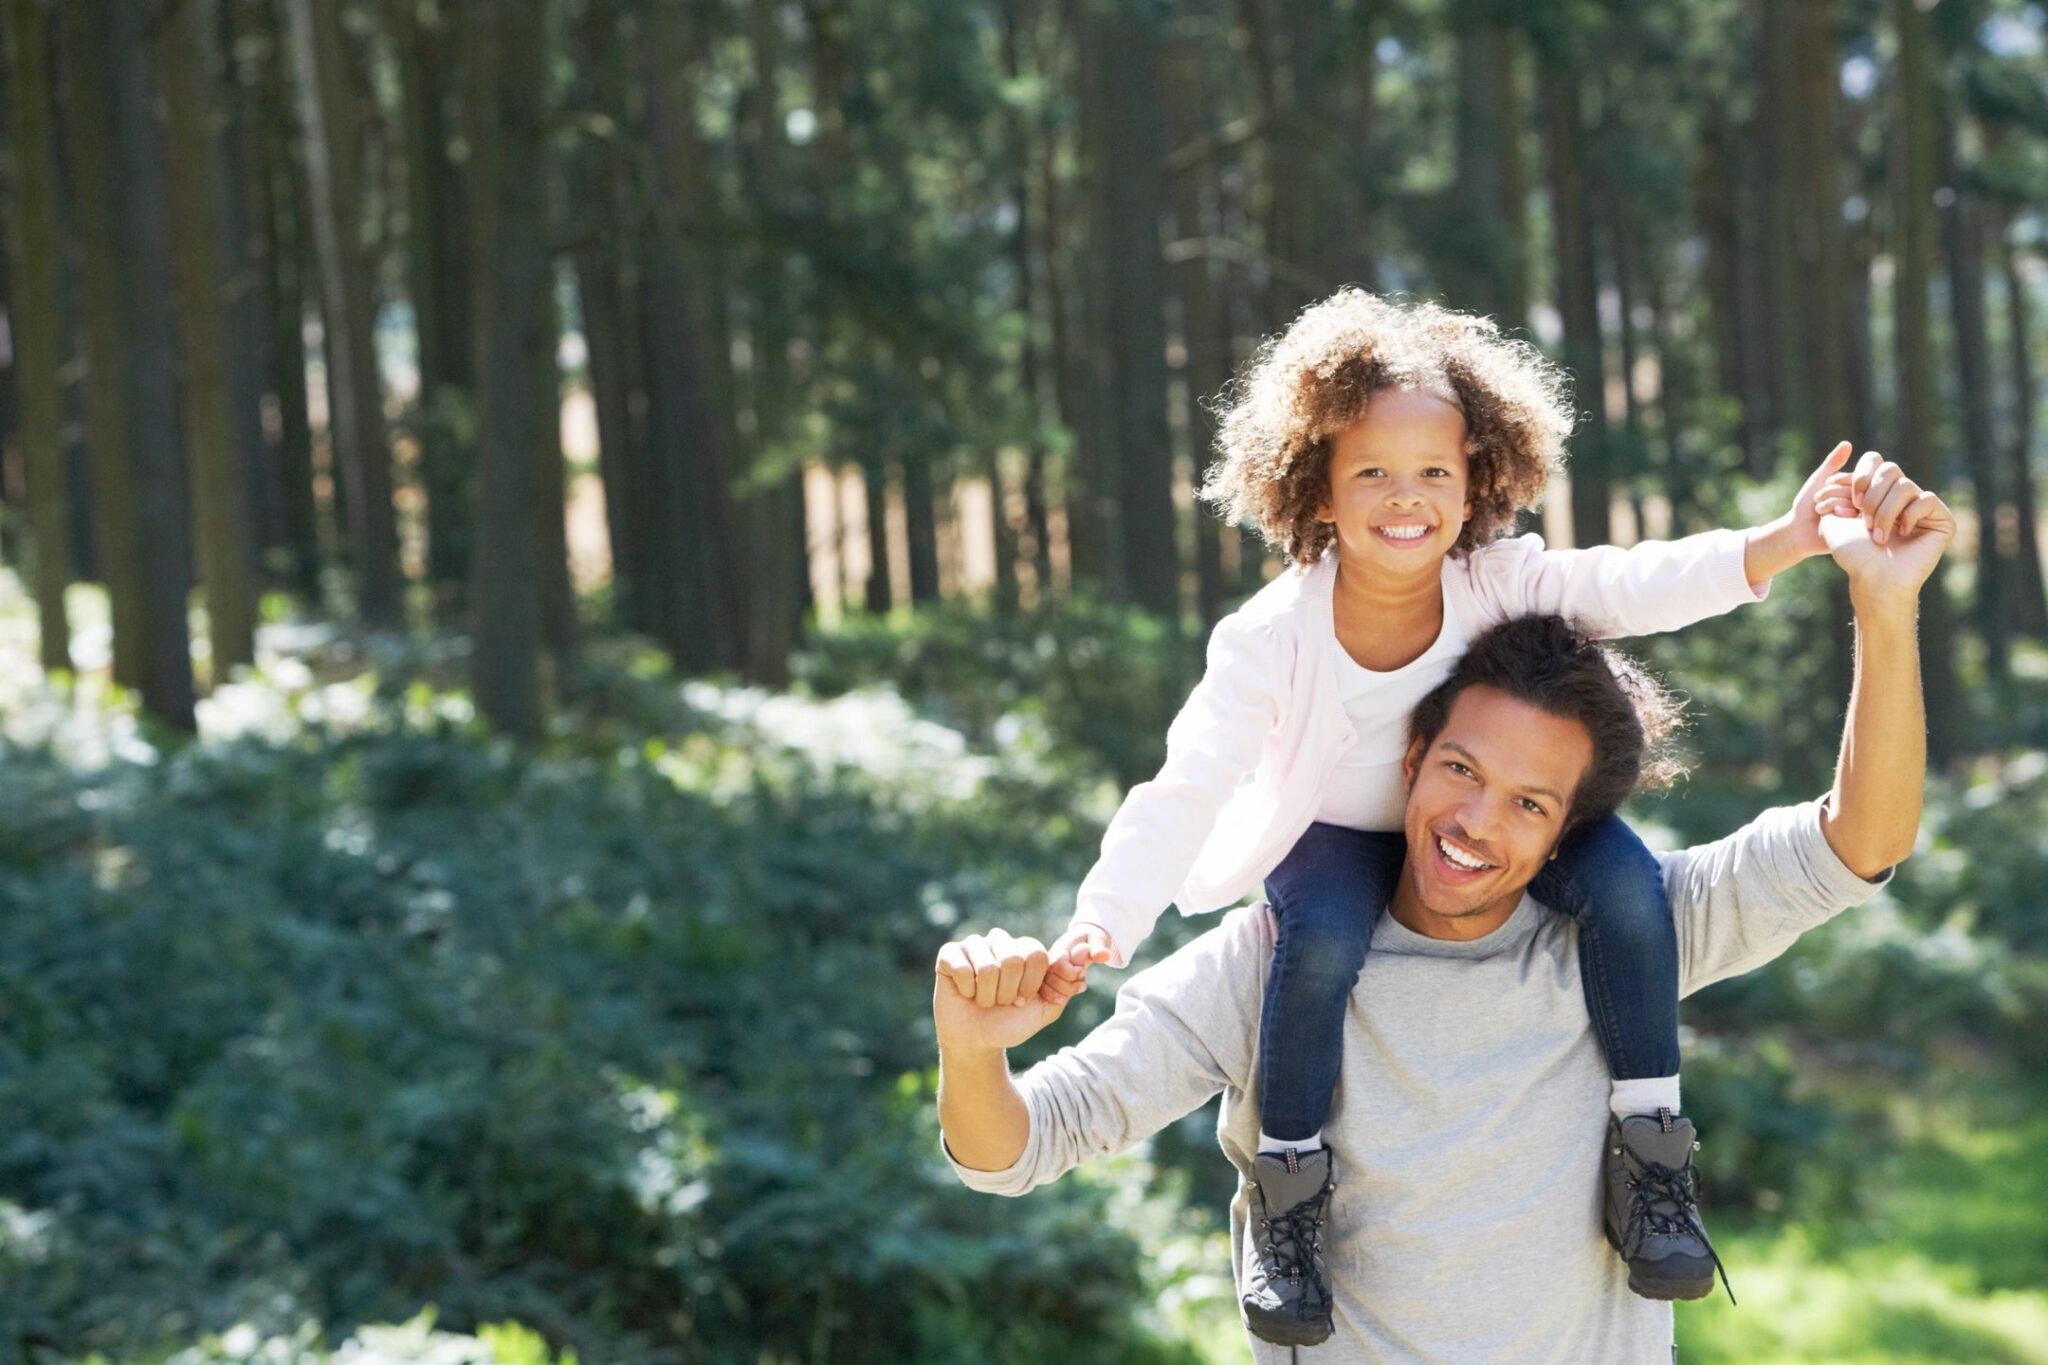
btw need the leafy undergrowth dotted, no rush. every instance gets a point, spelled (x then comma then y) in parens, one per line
(1947, 1262)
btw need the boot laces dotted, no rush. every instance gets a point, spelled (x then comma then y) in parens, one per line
(1665, 1200)
(1297, 1236)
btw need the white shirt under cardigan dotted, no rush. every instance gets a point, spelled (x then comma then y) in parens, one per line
(1251, 757)
(1465, 1228)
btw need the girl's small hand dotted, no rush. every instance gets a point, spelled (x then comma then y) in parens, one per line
(1071, 955)
(1807, 507)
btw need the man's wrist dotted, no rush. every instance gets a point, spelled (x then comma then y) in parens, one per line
(1877, 606)
(963, 1056)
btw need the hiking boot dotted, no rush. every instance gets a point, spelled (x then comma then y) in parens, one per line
(1653, 1213)
(1286, 1293)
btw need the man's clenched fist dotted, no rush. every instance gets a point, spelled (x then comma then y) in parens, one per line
(987, 995)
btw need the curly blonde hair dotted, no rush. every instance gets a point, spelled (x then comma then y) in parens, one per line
(1277, 420)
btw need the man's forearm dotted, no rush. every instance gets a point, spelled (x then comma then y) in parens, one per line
(1874, 813)
(981, 1113)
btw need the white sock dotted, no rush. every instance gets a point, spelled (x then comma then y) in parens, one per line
(1312, 1143)
(1645, 1095)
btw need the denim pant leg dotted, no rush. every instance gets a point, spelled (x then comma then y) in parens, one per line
(1606, 879)
(1326, 895)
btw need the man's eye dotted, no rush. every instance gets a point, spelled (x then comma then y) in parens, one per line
(1531, 806)
(1458, 768)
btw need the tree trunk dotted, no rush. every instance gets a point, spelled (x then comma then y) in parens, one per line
(2030, 599)
(1913, 185)
(1079, 321)
(247, 286)
(1204, 323)
(438, 280)
(689, 436)
(330, 145)
(1578, 300)
(1490, 275)
(118, 34)
(220, 511)
(1962, 245)
(285, 204)
(771, 509)
(1131, 195)
(36, 320)
(516, 395)
(105, 335)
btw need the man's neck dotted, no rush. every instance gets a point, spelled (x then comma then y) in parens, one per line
(1410, 913)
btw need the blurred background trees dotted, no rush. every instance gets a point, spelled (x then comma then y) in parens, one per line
(619, 524)
(802, 309)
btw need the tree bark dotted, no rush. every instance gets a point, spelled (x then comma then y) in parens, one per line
(118, 33)
(1913, 186)
(438, 280)
(184, 51)
(1131, 195)
(2030, 598)
(106, 339)
(516, 392)
(36, 321)
(1204, 322)
(688, 433)
(1962, 245)
(331, 147)
(1578, 300)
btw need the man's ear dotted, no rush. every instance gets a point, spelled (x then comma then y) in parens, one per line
(1411, 762)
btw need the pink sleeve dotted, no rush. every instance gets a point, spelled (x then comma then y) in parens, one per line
(1648, 588)
(1160, 828)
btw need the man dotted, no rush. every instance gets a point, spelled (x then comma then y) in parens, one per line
(1472, 1083)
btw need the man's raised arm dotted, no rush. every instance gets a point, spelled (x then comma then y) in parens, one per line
(1888, 549)
(1182, 1031)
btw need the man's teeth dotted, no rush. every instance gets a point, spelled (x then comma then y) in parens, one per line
(1460, 859)
(1404, 532)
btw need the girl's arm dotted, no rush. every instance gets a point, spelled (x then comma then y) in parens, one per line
(1656, 585)
(1162, 824)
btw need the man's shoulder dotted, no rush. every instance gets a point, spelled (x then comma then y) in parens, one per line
(1238, 946)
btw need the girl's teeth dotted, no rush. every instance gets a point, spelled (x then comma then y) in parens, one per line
(1404, 532)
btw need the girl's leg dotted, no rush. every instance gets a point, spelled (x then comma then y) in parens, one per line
(1326, 895)
(1606, 879)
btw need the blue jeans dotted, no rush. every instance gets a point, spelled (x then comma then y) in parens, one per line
(1327, 895)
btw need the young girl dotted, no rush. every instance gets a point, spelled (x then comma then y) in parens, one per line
(1386, 450)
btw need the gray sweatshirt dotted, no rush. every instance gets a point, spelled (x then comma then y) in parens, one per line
(1469, 1114)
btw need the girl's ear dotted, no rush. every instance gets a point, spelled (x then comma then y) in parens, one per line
(1466, 515)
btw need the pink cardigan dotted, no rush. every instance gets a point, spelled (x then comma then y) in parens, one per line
(1248, 754)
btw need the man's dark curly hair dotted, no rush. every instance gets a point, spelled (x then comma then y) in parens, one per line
(1556, 667)
(1276, 422)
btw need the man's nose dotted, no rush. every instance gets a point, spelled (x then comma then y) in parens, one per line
(1479, 817)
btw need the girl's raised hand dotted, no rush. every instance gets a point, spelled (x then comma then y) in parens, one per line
(1807, 506)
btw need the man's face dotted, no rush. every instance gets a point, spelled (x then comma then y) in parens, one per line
(1487, 800)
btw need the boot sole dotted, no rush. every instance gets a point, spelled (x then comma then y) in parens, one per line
(1685, 1288)
(1284, 1331)
(1669, 1290)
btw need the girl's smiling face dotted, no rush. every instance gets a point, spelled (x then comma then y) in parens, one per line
(1398, 474)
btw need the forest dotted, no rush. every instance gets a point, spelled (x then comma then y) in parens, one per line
(551, 551)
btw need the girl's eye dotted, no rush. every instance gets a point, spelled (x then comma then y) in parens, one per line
(1369, 473)
(1437, 471)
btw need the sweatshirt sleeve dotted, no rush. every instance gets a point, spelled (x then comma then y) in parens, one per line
(1743, 900)
(1160, 828)
(1648, 588)
(1184, 1030)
